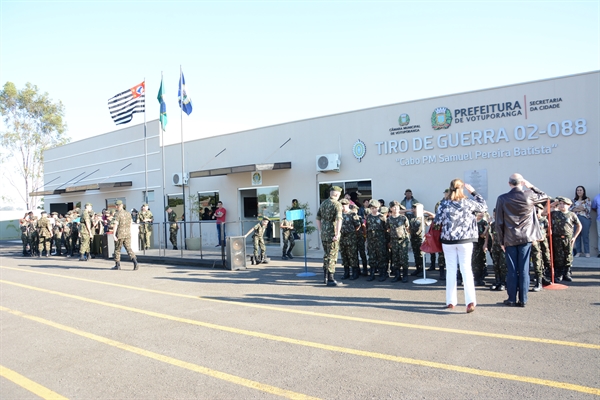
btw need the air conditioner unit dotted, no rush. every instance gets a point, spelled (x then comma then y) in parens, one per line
(328, 162)
(180, 179)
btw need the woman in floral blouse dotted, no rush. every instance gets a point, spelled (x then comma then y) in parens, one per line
(581, 207)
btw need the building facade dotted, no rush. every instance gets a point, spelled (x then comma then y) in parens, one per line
(547, 130)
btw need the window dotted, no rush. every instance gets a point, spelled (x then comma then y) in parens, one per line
(362, 188)
(110, 203)
(208, 204)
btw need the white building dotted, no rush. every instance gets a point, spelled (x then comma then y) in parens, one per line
(548, 130)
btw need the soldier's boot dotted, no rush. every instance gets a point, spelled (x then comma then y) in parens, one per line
(284, 256)
(371, 274)
(346, 273)
(567, 275)
(117, 265)
(252, 260)
(289, 252)
(442, 273)
(135, 264)
(365, 271)
(355, 273)
(331, 280)
(538, 285)
(405, 274)
(418, 272)
(383, 275)
(82, 257)
(324, 276)
(174, 247)
(87, 256)
(397, 275)
(264, 258)
(432, 266)
(558, 275)
(58, 251)
(496, 281)
(479, 278)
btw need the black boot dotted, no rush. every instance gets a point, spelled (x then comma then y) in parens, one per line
(442, 273)
(418, 272)
(383, 275)
(325, 276)
(404, 274)
(284, 257)
(346, 273)
(567, 275)
(117, 265)
(397, 276)
(432, 266)
(289, 252)
(371, 274)
(135, 264)
(330, 280)
(538, 285)
(174, 247)
(365, 271)
(355, 273)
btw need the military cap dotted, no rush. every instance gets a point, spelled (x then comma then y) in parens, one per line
(167, 207)
(266, 219)
(336, 189)
(447, 191)
(43, 212)
(394, 203)
(383, 210)
(374, 203)
(344, 201)
(565, 200)
(88, 204)
(54, 213)
(118, 202)
(144, 205)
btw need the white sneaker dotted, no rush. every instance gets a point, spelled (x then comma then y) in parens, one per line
(587, 255)
(578, 255)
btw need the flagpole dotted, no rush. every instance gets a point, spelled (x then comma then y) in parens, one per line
(162, 140)
(145, 149)
(181, 87)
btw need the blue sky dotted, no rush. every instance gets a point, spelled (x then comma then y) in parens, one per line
(249, 64)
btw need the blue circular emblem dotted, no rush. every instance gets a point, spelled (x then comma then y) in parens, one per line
(359, 150)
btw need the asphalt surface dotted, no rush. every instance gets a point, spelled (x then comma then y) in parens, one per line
(81, 331)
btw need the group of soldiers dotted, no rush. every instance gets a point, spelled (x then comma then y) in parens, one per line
(390, 232)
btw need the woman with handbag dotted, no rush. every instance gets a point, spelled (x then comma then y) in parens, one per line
(459, 230)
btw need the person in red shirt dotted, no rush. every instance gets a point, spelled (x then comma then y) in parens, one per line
(220, 214)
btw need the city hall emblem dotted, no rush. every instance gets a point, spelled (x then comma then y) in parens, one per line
(403, 120)
(441, 118)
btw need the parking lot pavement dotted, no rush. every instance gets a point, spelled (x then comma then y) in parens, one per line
(79, 330)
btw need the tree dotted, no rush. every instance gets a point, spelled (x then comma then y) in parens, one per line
(33, 123)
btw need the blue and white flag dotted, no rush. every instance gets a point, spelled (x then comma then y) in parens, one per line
(185, 102)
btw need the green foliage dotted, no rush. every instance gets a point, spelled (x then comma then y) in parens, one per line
(34, 123)
(299, 224)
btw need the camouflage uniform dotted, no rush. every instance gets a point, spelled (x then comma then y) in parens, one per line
(123, 218)
(361, 236)
(350, 224)
(544, 246)
(86, 239)
(24, 226)
(377, 240)
(478, 258)
(43, 227)
(258, 241)
(58, 231)
(33, 237)
(145, 218)
(329, 213)
(67, 236)
(173, 228)
(287, 233)
(399, 243)
(498, 258)
(416, 240)
(563, 227)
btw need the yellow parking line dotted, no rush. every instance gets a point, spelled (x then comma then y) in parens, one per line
(381, 356)
(30, 385)
(332, 316)
(168, 360)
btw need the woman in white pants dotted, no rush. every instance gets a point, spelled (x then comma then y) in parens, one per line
(456, 216)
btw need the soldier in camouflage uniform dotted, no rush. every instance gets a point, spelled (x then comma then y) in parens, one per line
(145, 218)
(122, 232)
(478, 258)
(565, 229)
(85, 232)
(377, 241)
(75, 242)
(287, 233)
(417, 233)
(57, 233)
(24, 227)
(537, 253)
(258, 241)
(544, 245)
(173, 227)
(44, 233)
(361, 236)
(34, 237)
(498, 257)
(67, 235)
(399, 241)
(350, 224)
(329, 222)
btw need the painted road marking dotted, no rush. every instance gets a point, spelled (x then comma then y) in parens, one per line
(381, 356)
(332, 316)
(168, 360)
(30, 385)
